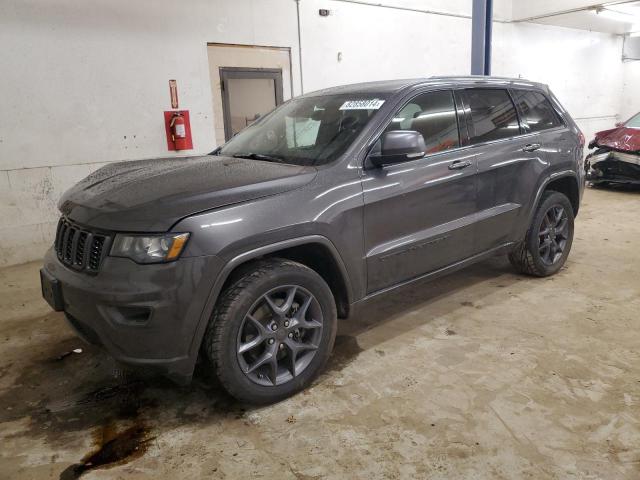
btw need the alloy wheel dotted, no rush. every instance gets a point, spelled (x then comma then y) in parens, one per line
(553, 234)
(279, 335)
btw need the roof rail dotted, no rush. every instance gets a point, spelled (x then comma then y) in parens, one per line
(478, 77)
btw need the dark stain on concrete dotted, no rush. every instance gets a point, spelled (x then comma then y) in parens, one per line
(112, 448)
(80, 393)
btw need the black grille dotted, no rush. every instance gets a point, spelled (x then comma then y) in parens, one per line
(78, 248)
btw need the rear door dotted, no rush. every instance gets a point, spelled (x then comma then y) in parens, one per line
(509, 161)
(540, 120)
(418, 215)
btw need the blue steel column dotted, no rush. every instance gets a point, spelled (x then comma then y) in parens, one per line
(481, 37)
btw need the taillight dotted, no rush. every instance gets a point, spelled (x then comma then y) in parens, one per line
(581, 138)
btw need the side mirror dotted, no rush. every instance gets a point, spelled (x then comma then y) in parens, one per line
(619, 124)
(399, 146)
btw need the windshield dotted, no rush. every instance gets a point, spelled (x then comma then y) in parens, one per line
(306, 131)
(634, 122)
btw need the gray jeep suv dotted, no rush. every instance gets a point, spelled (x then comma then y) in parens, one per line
(246, 257)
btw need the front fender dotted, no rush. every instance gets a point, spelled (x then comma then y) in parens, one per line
(253, 254)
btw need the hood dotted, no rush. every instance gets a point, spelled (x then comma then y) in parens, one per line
(152, 195)
(621, 138)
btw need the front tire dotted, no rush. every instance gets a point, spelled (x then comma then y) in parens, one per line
(272, 331)
(548, 241)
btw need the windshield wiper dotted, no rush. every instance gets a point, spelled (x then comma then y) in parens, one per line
(259, 156)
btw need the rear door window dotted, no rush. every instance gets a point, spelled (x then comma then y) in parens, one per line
(491, 114)
(536, 111)
(432, 114)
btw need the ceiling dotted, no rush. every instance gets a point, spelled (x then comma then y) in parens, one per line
(617, 17)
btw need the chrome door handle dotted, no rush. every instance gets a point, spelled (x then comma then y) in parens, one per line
(459, 165)
(531, 147)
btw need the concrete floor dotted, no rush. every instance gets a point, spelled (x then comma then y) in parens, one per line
(483, 374)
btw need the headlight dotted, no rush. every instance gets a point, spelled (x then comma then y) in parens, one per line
(149, 248)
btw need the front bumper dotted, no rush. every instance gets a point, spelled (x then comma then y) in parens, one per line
(613, 166)
(145, 315)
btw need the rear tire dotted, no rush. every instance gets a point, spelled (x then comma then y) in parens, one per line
(271, 332)
(548, 241)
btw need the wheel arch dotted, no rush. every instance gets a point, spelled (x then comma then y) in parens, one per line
(297, 249)
(565, 182)
(315, 252)
(567, 185)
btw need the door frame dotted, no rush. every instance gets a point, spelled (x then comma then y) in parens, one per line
(227, 73)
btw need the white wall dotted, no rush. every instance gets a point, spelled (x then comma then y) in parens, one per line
(85, 82)
(631, 93)
(379, 43)
(501, 8)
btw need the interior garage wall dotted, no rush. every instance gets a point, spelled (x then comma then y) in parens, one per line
(85, 82)
(379, 43)
(631, 91)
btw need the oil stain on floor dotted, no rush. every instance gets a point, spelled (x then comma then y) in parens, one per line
(113, 448)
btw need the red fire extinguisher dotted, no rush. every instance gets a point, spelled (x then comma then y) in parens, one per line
(178, 131)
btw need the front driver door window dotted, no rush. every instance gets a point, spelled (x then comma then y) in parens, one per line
(434, 116)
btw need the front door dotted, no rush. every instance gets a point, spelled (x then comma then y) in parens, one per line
(419, 215)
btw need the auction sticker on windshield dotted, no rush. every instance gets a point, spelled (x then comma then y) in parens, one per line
(371, 104)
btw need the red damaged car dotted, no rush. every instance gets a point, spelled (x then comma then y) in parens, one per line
(617, 155)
